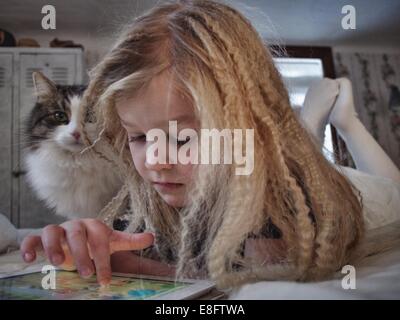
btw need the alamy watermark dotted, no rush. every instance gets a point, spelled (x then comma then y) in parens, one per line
(349, 280)
(238, 147)
(49, 280)
(349, 20)
(49, 20)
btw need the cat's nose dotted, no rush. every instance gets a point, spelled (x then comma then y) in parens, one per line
(76, 135)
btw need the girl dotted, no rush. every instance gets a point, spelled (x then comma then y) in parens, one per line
(201, 63)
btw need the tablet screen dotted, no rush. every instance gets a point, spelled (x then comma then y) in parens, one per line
(69, 285)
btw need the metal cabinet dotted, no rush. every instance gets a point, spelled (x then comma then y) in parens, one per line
(64, 66)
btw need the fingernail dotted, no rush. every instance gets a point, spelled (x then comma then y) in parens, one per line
(56, 259)
(28, 256)
(85, 272)
(104, 284)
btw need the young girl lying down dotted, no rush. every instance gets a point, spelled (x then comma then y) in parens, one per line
(201, 63)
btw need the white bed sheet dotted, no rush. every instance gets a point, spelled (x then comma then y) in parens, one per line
(377, 277)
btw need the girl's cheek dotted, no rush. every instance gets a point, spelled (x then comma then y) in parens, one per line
(187, 171)
(138, 157)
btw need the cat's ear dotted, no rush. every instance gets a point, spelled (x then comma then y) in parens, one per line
(45, 89)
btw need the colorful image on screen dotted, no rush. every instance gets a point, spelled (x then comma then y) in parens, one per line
(69, 285)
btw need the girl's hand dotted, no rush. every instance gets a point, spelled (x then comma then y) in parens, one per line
(78, 242)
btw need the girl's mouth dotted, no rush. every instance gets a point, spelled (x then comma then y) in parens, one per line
(167, 186)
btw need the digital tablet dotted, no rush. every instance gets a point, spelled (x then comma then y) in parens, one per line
(68, 285)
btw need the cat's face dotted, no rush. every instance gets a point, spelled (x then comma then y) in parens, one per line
(55, 118)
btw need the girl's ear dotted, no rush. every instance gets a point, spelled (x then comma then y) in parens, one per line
(45, 89)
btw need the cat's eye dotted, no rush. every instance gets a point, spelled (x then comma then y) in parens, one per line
(60, 117)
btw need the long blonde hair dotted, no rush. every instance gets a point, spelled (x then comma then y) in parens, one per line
(219, 61)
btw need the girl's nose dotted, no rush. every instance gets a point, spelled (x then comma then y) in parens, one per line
(158, 162)
(157, 166)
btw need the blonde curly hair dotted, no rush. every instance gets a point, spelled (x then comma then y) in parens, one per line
(218, 60)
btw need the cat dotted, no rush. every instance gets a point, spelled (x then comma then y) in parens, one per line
(74, 184)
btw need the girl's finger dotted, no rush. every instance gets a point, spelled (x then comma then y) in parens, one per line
(29, 246)
(52, 237)
(123, 241)
(75, 235)
(99, 247)
(102, 262)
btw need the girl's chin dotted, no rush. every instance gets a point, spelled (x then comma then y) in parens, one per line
(173, 201)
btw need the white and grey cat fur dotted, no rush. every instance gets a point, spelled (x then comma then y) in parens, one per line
(74, 184)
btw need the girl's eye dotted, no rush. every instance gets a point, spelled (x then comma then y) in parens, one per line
(60, 117)
(137, 139)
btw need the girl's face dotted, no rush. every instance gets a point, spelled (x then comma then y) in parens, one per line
(153, 108)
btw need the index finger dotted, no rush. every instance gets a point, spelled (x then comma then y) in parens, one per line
(29, 247)
(123, 241)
